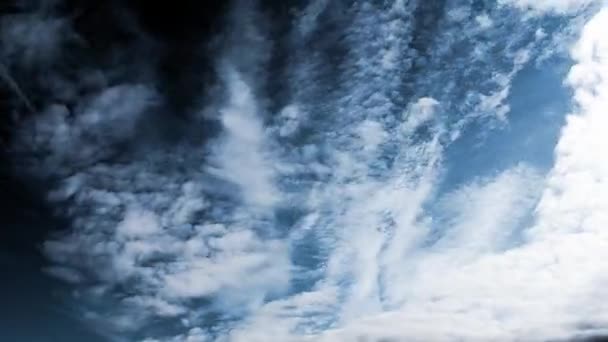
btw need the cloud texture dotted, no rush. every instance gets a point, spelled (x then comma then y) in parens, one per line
(349, 206)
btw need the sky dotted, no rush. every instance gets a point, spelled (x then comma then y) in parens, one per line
(304, 171)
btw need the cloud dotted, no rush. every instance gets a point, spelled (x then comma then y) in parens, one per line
(145, 231)
(549, 287)
(34, 40)
(155, 231)
(307, 20)
(555, 6)
(240, 156)
(420, 112)
(292, 119)
(473, 283)
(107, 119)
(484, 215)
(326, 221)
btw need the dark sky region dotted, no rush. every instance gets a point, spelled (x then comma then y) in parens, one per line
(32, 307)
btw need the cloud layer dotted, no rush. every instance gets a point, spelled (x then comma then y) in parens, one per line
(324, 213)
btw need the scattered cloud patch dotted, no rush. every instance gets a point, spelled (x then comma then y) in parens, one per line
(554, 6)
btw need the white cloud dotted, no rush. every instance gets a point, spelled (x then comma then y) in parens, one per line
(372, 134)
(575, 200)
(138, 224)
(484, 21)
(483, 215)
(419, 113)
(241, 263)
(557, 6)
(242, 155)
